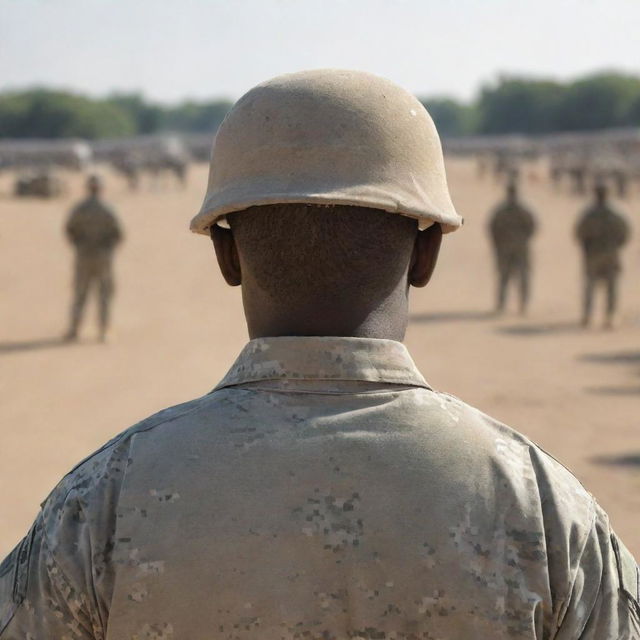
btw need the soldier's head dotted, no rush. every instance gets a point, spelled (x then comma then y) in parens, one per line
(331, 190)
(601, 192)
(318, 270)
(512, 191)
(94, 185)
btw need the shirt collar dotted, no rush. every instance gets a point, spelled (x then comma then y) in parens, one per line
(324, 358)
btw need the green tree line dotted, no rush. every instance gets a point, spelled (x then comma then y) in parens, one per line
(510, 104)
(46, 113)
(514, 104)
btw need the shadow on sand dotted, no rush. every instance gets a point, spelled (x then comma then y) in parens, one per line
(32, 345)
(613, 357)
(613, 391)
(628, 358)
(622, 460)
(451, 316)
(539, 329)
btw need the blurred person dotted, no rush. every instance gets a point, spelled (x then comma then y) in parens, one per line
(601, 232)
(578, 173)
(128, 165)
(94, 231)
(511, 228)
(620, 179)
(323, 489)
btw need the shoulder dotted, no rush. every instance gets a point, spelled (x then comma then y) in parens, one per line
(100, 207)
(526, 465)
(79, 208)
(88, 483)
(107, 208)
(587, 215)
(526, 210)
(618, 215)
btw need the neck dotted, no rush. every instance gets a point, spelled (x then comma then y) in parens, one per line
(385, 318)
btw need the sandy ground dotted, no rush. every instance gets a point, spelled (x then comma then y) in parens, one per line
(178, 328)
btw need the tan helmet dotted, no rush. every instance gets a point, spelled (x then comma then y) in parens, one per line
(329, 137)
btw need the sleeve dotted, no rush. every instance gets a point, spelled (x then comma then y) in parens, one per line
(70, 228)
(533, 225)
(117, 231)
(38, 600)
(604, 602)
(493, 227)
(624, 232)
(111, 229)
(57, 584)
(580, 229)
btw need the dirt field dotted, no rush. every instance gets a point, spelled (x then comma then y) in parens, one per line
(177, 328)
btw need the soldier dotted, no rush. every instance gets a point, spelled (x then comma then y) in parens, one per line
(94, 231)
(620, 180)
(128, 165)
(578, 173)
(511, 227)
(323, 489)
(601, 232)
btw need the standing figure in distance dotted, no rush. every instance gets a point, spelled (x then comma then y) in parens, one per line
(511, 227)
(601, 232)
(94, 231)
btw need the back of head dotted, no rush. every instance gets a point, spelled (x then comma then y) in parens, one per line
(304, 255)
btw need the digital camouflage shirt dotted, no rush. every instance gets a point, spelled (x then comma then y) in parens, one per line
(322, 491)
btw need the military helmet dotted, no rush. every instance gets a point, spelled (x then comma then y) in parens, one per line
(329, 137)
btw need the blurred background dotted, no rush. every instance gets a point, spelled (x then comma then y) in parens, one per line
(538, 105)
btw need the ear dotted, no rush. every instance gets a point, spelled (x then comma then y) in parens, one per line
(425, 255)
(227, 254)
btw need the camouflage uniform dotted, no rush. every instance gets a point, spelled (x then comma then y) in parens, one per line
(94, 231)
(322, 490)
(511, 227)
(601, 232)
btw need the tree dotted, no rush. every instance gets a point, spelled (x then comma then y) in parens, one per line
(511, 104)
(41, 113)
(599, 101)
(519, 105)
(197, 116)
(147, 117)
(452, 118)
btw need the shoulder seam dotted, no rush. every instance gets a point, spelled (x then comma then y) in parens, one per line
(117, 440)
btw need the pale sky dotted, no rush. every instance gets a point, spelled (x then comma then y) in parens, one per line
(175, 49)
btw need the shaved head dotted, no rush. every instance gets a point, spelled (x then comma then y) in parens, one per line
(299, 253)
(325, 270)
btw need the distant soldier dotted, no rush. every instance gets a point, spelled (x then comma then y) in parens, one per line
(511, 227)
(93, 230)
(620, 181)
(578, 174)
(601, 231)
(556, 170)
(481, 165)
(129, 167)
